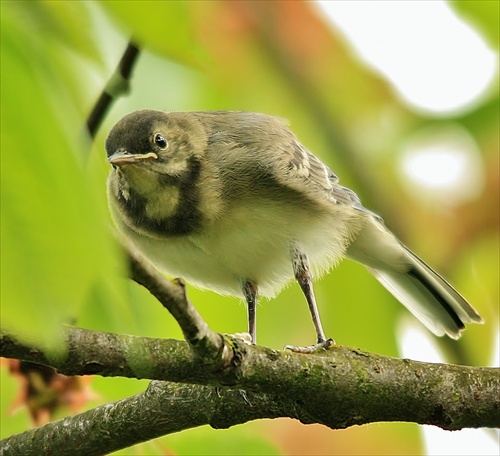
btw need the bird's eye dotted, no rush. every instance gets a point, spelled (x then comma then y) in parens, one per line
(160, 141)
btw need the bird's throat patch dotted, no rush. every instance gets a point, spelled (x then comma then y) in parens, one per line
(165, 205)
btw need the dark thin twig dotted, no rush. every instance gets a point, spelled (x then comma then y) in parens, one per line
(118, 84)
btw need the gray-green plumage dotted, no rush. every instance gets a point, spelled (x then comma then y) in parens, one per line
(228, 199)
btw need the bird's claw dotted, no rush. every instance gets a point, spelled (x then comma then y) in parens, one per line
(325, 344)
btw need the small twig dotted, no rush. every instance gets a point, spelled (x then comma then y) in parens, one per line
(172, 295)
(117, 85)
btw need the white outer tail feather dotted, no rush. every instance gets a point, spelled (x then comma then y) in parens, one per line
(416, 285)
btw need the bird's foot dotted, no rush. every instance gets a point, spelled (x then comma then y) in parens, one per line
(311, 348)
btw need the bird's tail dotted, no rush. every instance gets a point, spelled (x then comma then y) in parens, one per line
(416, 285)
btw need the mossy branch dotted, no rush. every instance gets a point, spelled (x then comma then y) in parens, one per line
(339, 387)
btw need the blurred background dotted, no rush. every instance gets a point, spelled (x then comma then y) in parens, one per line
(400, 99)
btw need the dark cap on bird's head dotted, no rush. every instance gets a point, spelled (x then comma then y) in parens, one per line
(149, 134)
(133, 138)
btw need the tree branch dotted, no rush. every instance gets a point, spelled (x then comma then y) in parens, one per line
(164, 408)
(338, 388)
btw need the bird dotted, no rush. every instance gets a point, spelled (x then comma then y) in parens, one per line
(231, 201)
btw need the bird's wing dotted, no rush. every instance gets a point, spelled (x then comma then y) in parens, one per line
(304, 167)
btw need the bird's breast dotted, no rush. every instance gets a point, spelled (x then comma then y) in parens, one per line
(251, 241)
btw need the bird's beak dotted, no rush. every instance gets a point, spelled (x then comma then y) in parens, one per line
(125, 158)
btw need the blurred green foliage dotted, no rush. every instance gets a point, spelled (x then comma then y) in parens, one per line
(59, 260)
(484, 15)
(56, 245)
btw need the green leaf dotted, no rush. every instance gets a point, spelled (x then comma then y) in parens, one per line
(56, 243)
(164, 27)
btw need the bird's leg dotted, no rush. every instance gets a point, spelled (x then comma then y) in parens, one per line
(250, 293)
(304, 277)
